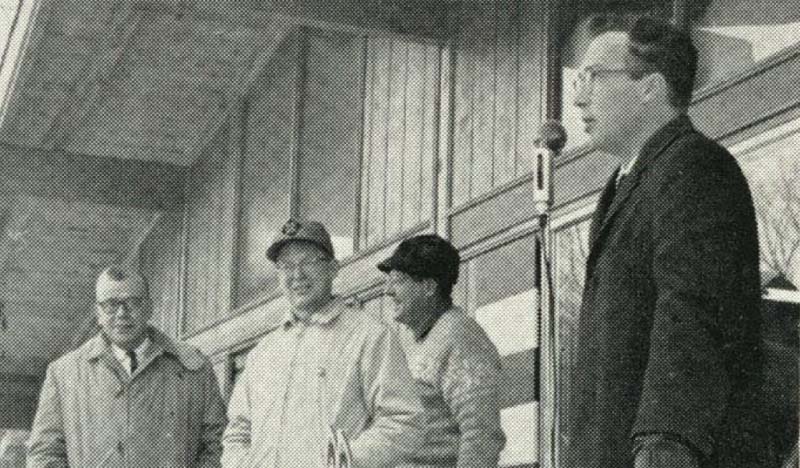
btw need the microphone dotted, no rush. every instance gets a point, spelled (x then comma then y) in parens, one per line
(551, 140)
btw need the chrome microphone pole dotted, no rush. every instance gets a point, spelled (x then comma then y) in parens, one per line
(551, 141)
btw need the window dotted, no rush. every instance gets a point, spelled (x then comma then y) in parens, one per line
(571, 246)
(734, 36)
(770, 162)
(496, 287)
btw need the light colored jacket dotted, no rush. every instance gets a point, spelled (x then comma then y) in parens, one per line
(459, 372)
(92, 414)
(341, 369)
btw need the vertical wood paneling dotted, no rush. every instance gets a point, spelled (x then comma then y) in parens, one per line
(205, 249)
(506, 76)
(159, 260)
(498, 92)
(377, 154)
(483, 34)
(465, 64)
(532, 55)
(400, 119)
(396, 138)
(413, 142)
(369, 128)
(430, 130)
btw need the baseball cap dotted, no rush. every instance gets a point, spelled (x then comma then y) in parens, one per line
(296, 230)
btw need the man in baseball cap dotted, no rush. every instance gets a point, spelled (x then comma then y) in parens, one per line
(450, 356)
(154, 402)
(326, 366)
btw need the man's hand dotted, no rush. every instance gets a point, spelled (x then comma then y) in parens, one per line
(657, 451)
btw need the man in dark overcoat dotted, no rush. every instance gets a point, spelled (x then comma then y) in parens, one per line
(668, 353)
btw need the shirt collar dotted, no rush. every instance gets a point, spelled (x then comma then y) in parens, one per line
(122, 354)
(428, 323)
(330, 312)
(159, 343)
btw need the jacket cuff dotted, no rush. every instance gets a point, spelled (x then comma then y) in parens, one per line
(666, 442)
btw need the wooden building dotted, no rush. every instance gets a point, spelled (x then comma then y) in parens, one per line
(181, 134)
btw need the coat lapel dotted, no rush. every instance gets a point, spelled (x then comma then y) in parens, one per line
(606, 196)
(603, 218)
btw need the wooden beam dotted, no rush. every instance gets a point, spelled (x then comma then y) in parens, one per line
(420, 18)
(121, 182)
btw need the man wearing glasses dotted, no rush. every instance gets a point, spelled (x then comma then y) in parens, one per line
(130, 396)
(668, 342)
(326, 366)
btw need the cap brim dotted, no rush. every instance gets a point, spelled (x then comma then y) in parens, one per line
(387, 265)
(275, 249)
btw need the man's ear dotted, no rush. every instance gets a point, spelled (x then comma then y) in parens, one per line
(431, 287)
(654, 88)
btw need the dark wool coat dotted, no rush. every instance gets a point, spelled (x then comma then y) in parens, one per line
(669, 324)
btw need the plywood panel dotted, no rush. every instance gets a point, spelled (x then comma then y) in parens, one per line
(269, 143)
(331, 125)
(369, 127)
(401, 120)
(500, 60)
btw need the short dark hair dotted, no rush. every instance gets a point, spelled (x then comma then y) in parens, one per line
(659, 47)
(656, 46)
(121, 273)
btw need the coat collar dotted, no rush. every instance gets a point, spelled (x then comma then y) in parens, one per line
(652, 148)
(325, 316)
(189, 357)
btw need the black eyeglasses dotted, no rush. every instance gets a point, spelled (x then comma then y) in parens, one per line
(306, 266)
(131, 304)
(584, 81)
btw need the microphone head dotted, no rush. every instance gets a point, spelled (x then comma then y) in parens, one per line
(552, 135)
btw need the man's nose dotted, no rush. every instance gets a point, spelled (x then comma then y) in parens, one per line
(581, 99)
(297, 272)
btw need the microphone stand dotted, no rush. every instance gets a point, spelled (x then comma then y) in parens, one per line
(554, 140)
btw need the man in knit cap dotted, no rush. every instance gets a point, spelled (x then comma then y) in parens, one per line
(452, 359)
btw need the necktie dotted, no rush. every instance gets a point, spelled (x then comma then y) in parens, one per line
(134, 362)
